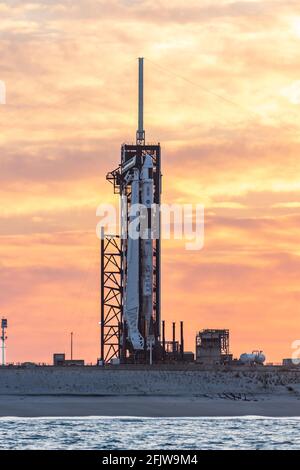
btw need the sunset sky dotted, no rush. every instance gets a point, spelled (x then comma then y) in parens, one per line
(222, 96)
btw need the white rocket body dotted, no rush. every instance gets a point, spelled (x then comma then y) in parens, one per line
(146, 241)
(131, 299)
(139, 276)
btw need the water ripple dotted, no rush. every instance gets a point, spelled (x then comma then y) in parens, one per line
(150, 433)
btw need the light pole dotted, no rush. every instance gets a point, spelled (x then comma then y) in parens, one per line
(72, 346)
(3, 338)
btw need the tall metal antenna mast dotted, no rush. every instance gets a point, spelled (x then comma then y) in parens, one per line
(140, 134)
(71, 345)
(3, 339)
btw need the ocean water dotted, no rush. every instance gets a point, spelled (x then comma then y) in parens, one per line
(150, 433)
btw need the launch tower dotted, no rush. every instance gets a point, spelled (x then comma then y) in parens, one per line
(130, 265)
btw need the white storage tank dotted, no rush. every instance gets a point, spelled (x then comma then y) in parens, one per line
(256, 357)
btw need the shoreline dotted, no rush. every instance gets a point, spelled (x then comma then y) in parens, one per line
(26, 406)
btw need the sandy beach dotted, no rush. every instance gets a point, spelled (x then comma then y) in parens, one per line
(50, 391)
(33, 406)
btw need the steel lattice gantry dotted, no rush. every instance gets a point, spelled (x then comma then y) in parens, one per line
(111, 297)
(114, 268)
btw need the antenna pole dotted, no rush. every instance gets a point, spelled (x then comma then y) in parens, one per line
(3, 339)
(72, 346)
(3, 346)
(140, 135)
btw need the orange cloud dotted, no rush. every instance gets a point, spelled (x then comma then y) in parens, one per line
(70, 72)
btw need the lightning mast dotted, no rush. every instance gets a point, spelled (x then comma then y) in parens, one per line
(140, 133)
